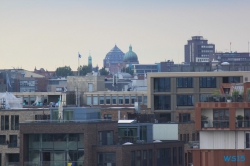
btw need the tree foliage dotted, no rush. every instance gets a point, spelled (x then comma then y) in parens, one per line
(84, 70)
(128, 70)
(64, 71)
(103, 72)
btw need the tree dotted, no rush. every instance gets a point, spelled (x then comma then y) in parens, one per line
(84, 70)
(64, 71)
(128, 70)
(103, 72)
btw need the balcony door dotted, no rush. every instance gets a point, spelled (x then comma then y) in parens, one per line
(221, 118)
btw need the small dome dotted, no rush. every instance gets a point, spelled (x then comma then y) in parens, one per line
(130, 56)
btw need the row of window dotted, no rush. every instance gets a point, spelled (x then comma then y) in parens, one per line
(145, 157)
(14, 119)
(163, 84)
(114, 100)
(185, 137)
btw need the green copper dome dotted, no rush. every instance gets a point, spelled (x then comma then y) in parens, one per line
(130, 56)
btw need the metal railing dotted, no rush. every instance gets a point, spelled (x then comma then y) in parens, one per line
(222, 98)
(242, 124)
(54, 163)
(215, 124)
(67, 121)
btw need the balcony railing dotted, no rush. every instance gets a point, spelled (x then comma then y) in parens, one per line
(222, 98)
(12, 164)
(215, 124)
(55, 163)
(242, 124)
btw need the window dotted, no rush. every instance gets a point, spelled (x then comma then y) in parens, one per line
(144, 158)
(221, 118)
(193, 137)
(197, 137)
(126, 99)
(185, 100)
(14, 122)
(114, 99)
(180, 151)
(163, 157)
(89, 100)
(184, 137)
(162, 102)
(95, 100)
(13, 141)
(42, 117)
(231, 79)
(2, 139)
(76, 155)
(133, 158)
(105, 159)
(139, 99)
(138, 158)
(5, 122)
(107, 116)
(106, 138)
(132, 99)
(107, 99)
(185, 82)
(101, 100)
(145, 100)
(247, 118)
(120, 99)
(184, 117)
(174, 155)
(162, 84)
(187, 137)
(150, 157)
(207, 82)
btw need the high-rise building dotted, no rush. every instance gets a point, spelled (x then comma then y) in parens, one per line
(198, 48)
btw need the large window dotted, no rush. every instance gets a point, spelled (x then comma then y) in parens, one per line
(101, 100)
(180, 151)
(14, 122)
(145, 100)
(175, 156)
(95, 100)
(107, 116)
(162, 84)
(138, 158)
(184, 117)
(162, 102)
(114, 99)
(144, 158)
(221, 118)
(150, 157)
(126, 99)
(107, 99)
(163, 157)
(185, 82)
(231, 80)
(133, 158)
(106, 138)
(207, 82)
(185, 100)
(13, 141)
(247, 140)
(132, 99)
(106, 159)
(247, 118)
(2, 139)
(89, 100)
(5, 122)
(120, 99)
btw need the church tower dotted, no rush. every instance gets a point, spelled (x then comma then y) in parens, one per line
(90, 60)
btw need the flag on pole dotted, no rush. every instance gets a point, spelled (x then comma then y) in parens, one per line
(79, 55)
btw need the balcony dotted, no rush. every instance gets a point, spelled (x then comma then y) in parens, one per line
(54, 163)
(223, 98)
(242, 124)
(215, 124)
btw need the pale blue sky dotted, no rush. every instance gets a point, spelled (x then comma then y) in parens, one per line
(49, 34)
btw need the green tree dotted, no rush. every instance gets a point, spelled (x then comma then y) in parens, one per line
(84, 70)
(128, 70)
(64, 71)
(103, 72)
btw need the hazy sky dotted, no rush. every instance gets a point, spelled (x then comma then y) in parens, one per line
(50, 33)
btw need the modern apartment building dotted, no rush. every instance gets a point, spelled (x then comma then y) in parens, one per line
(198, 49)
(224, 132)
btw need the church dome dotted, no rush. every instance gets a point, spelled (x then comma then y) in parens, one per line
(130, 56)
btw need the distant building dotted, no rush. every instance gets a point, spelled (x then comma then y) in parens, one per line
(130, 57)
(113, 60)
(142, 69)
(166, 66)
(231, 57)
(198, 48)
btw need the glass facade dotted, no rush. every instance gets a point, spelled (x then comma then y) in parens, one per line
(56, 149)
(162, 84)
(185, 100)
(184, 82)
(162, 102)
(207, 82)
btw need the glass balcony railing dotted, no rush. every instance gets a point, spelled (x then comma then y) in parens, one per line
(242, 124)
(55, 163)
(215, 124)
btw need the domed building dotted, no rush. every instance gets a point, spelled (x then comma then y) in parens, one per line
(113, 60)
(130, 57)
